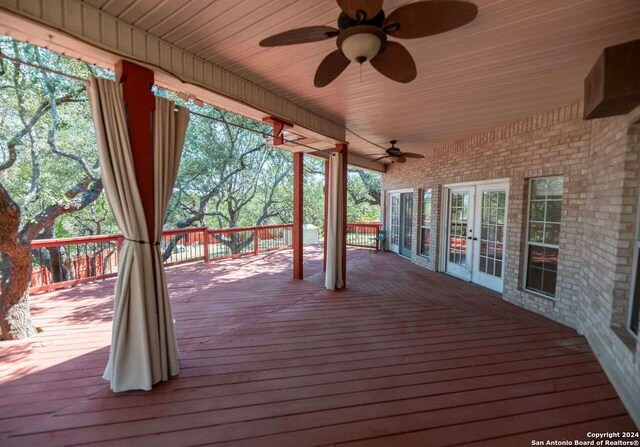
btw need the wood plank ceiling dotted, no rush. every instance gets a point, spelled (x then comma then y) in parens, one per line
(519, 57)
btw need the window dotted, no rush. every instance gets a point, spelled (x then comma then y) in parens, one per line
(634, 300)
(543, 234)
(425, 222)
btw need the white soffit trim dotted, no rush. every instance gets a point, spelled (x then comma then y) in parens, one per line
(81, 31)
(84, 32)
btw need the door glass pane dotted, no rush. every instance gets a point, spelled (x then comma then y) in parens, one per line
(395, 220)
(407, 220)
(458, 222)
(492, 232)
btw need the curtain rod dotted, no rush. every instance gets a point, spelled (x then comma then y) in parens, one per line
(40, 67)
(86, 81)
(259, 132)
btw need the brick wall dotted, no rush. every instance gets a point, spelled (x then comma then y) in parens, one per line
(599, 163)
(609, 232)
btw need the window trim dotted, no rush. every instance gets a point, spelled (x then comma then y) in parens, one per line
(527, 244)
(634, 273)
(420, 226)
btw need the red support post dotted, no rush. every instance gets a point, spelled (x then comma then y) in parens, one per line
(297, 233)
(343, 150)
(326, 205)
(139, 102)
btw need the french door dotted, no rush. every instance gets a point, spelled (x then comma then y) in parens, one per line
(477, 224)
(400, 228)
(460, 232)
(406, 222)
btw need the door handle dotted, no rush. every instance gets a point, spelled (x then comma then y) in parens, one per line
(471, 237)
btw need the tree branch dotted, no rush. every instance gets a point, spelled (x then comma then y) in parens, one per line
(51, 138)
(81, 195)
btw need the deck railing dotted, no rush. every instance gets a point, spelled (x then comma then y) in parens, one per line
(66, 262)
(59, 263)
(363, 234)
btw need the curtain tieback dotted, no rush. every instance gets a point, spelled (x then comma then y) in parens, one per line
(142, 242)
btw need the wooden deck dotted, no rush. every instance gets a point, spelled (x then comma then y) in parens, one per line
(403, 357)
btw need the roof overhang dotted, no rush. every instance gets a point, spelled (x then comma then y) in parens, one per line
(81, 31)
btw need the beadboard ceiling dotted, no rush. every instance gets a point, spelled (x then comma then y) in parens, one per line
(519, 57)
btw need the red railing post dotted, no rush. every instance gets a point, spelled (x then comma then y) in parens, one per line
(119, 241)
(256, 241)
(205, 241)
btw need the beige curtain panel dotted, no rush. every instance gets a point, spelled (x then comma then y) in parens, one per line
(143, 344)
(169, 130)
(334, 224)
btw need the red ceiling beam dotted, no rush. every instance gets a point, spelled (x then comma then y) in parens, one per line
(278, 128)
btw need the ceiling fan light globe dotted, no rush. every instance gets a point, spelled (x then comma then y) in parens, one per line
(361, 47)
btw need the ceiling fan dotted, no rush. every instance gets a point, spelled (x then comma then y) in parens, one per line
(396, 154)
(362, 35)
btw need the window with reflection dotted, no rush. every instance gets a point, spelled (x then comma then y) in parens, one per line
(425, 222)
(634, 299)
(543, 234)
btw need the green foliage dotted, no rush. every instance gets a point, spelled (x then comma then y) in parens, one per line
(40, 176)
(228, 177)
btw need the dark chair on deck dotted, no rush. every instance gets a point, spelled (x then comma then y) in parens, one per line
(379, 240)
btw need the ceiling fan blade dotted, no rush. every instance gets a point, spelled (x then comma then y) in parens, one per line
(330, 68)
(380, 158)
(370, 8)
(300, 35)
(427, 18)
(401, 159)
(396, 63)
(412, 155)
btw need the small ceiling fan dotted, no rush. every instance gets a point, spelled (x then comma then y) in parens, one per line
(362, 35)
(396, 154)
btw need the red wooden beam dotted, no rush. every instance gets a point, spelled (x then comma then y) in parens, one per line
(298, 219)
(343, 150)
(139, 102)
(278, 128)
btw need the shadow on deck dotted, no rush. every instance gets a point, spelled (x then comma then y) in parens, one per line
(405, 356)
